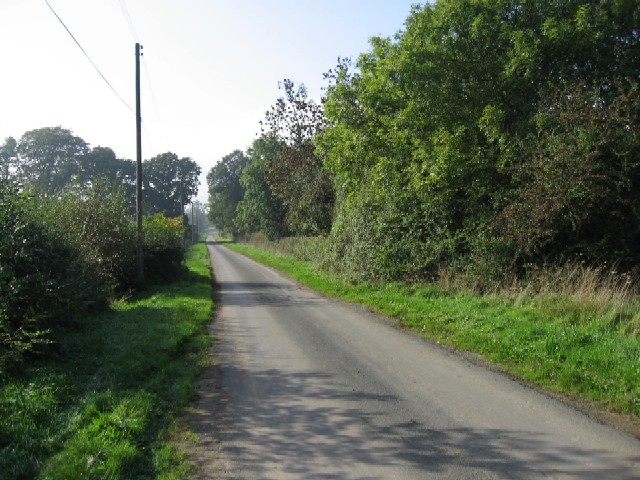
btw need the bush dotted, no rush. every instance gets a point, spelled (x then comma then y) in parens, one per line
(97, 222)
(64, 255)
(577, 192)
(19, 326)
(44, 281)
(163, 247)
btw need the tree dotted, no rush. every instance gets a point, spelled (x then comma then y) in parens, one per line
(297, 177)
(578, 196)
(169, 183)
(101, 163)
(433, 136)
(259, 210)
(225, 191)
(8, 158)
(49, 158)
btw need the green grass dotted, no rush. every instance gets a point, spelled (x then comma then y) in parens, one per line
(578, 349)
(106, 406)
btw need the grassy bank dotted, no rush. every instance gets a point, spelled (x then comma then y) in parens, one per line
(585, 350)
(105, 406)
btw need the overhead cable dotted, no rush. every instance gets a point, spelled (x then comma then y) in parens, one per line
(127, 17)
(134, 34)
(89, 58)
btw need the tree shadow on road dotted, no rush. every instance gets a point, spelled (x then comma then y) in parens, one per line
(269, 432)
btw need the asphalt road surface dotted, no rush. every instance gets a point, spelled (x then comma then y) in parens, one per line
(306, 387)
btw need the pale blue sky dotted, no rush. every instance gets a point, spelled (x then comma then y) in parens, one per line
(210, 67)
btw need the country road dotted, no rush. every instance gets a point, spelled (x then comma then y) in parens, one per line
(305, 387)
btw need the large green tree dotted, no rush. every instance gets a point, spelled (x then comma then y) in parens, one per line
(432, 137)
(101, 164)
(225, 191)
(169, 183)
(49, 158)
(297, 177)
(259, 210)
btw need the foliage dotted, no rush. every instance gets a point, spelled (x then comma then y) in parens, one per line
(100, 164)
(457, 144)
(280, 185)
(259, 210)
(21, 325)
(61, 256)
(49, 158)
(44, 280)
(579, 193)
(163, 247)
(8, 158)
(225, 191)
(107, 405)
(96, 221)
(297, 178)
(169, 183)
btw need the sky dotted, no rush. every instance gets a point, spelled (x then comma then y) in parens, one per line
(210, 68)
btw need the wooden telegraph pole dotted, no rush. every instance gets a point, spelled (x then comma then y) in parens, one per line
(139, 258)
(193, 232)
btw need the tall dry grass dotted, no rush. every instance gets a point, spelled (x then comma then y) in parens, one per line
(302, 248)
(572, 291)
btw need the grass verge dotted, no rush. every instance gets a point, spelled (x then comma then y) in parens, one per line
(106, 406)
(564, 346)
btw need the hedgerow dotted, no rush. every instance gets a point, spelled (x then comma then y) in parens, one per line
(62, 256)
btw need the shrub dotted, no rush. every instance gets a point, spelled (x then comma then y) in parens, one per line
(61, 256)
(577, 192)
(97, 222)
(163, 247)
(19, 328)
(43, 279)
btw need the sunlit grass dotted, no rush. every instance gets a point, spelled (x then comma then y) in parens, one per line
(105, 407)
(584, 346)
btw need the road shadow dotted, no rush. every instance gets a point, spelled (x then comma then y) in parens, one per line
(211, 241)
(256, 422)
(251, 294)
(259, 420)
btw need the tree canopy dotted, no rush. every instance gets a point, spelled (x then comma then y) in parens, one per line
(296, 176)
(260, 210)
(485, 138)
(467, 133)
(225, 191)
(169, 183)
(50, 160)
(8, 158)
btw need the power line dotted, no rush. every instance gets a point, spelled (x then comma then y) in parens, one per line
(89, 58)
(134, 34)
(153, 97)
(127, 17)
(146, 134)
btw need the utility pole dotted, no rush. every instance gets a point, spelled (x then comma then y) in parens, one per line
(193, 232)
(139, 258)
(181, 195)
